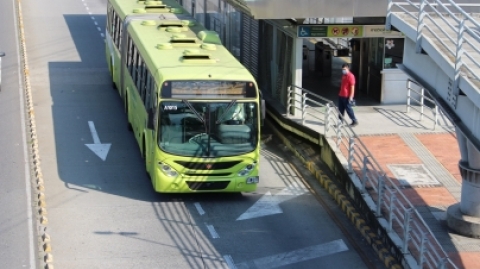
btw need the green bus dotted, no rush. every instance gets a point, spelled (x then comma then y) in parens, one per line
(195, 111)
(119, 13)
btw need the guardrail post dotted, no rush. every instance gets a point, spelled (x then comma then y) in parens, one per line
(422, 102)
(458, 59)
(289, 100)
(406, 230)
(364, 172)
(420, 25)
(422, 250)
(442, 264)
(339, 136)
(393, 198)
(327, 119)
(408, 95)
(1, 55)
(304, 107)
(351, 152)
(381, 185)
(436, 116)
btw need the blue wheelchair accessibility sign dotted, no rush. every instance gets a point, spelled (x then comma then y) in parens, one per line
(304, 31)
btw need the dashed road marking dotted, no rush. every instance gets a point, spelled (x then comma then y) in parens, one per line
(199, 208)
(212, 231)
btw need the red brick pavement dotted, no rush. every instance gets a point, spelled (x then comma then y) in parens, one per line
(391, 149)
(445, 149)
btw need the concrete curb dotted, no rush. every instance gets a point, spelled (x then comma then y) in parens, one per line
(308, 156)
(41, 220)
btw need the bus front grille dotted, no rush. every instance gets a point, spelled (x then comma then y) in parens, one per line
(208, 175)
(208, 166)
(206, 186)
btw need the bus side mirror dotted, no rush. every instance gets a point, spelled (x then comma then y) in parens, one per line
(151, 118)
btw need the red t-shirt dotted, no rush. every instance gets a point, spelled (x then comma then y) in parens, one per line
(348, 81)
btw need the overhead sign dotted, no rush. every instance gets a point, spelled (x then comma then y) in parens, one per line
(330, 31)
(345, 31)
(380, 31)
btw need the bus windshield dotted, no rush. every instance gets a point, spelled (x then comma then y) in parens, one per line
(208, 129)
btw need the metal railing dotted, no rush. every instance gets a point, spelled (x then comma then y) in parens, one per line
(419, 92)
(309, 103)
(457, 20)
(391, 204)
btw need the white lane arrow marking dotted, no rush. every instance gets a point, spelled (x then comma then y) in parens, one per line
(269, 204)
(98, 148)
(296, 256)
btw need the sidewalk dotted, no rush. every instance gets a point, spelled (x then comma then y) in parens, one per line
(422, 158)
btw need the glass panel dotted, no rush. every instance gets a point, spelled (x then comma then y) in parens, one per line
(208, 129)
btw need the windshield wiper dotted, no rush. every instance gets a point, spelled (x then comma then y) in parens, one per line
(187, 103)
(230, 105)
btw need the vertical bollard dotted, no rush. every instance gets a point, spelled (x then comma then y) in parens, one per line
(1, 55)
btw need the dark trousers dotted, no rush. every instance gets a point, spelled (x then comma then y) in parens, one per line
(344, 104)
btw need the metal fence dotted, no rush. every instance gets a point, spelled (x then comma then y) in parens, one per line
(424, 101)
(390, 204)
(459, 39)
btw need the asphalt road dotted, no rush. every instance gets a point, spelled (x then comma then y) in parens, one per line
(18, 247)
(104, 213)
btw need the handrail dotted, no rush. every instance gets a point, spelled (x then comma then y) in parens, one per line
(464, 34)
(423, 96)
(390, 203)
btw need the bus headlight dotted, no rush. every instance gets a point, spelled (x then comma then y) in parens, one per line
(168, 170)
(245, 171)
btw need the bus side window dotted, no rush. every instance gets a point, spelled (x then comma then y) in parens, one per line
(129, 55)
(148, 91)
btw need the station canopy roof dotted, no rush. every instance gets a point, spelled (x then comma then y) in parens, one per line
(286, 9)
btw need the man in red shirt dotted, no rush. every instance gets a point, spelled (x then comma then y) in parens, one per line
(345, 96)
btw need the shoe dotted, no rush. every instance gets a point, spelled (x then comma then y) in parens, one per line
(355, 123)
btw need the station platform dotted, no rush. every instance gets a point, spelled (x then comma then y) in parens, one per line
(409, 150)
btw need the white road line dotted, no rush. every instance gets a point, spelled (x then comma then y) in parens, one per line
(296, 256)
(93, 18)
(229, 260)
(99, 29)
(212, 231)
(28, 180)
(199, 208)
(95, 22)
